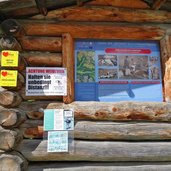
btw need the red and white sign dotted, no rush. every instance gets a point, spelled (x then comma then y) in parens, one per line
(44, 81)
(128, 50)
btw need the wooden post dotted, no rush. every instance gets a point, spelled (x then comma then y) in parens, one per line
(68, 62)
(166, 67)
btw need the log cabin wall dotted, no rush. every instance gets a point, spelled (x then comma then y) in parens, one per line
(108, 136)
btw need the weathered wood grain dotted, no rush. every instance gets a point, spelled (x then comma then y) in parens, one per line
(88, 130)
(149, 111)
(92, 30)
(51, 44)
(157, 4)
(166, 66)
(9, 139)
(84, 166)
(34, 109)
(68, 63)
(11, 117)
(28, 7)
(107, 14)
(119, 3)
(10, 99)
(12, 162)
(39, 59)
(36, 150)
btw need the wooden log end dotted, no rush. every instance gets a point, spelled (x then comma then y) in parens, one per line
(11, 27)
(10, 99)
(10, 43)
(35, 114)
(9, 139)
(33, 133)
(11, 117)
(13, 161)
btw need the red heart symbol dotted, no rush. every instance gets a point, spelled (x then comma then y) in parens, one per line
(4, 73)
(5, 54)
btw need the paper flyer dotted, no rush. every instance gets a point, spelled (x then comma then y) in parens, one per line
(8, 78)
(9, 58)
(57, 141)
(58, 119)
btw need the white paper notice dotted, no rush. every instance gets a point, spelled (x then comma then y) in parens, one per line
(57, 141)
(58, 119)
(41, 81)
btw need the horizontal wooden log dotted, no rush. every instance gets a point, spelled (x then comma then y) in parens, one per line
(36, 150)
(10, 99)
(11, 117)
(34, 109)
(10, 43)
(9, 139)
(109, 14)
(98, 31)
(122, 131)
(12, 161)
(84, 166)
(28, 7)
(23, 95)
(87, 130)
(119, 3)
(41, 59)
(52, 44)
(149, 111)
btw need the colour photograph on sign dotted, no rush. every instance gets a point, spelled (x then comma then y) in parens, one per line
(8, 78)
(42, 81)
(57, 141)
(9, 58)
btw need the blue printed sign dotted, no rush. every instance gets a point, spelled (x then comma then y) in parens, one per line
(117, 71)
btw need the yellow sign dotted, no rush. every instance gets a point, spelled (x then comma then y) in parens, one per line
(9, 58)
(8, 78)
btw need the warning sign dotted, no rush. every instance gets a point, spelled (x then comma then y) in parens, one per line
(46, 81)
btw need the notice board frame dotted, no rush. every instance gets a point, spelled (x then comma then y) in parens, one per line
(111, 32)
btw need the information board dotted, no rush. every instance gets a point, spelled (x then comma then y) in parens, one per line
(58, 119)
(42, 81)
(117, 71)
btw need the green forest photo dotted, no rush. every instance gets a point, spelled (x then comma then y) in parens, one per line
(85, 66)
